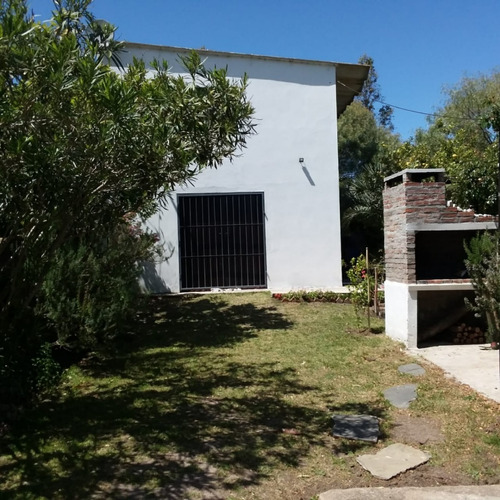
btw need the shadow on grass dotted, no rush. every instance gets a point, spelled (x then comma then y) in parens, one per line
(378, 330)
(167, 413)
(209, 321)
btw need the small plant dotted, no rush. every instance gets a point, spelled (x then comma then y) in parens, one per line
(483, 266)
(361, 285)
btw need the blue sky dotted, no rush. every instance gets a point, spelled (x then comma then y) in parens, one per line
(418, 47)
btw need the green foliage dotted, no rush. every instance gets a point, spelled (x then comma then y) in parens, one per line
(371, 96)
(483, 266)
(46, 370)
(493, 440)
(366, 146)
(195, 370)
(357, 139)
(366, 211)
(472, 171)
(473, 174)
(365, 158)
(463, 139)
(360, 282)
(471, 107)
(360, 286)
(81, 146)
(91, 290)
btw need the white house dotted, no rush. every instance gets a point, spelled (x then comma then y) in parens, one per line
(270, 219)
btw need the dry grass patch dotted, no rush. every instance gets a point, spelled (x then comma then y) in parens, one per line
(231, 396)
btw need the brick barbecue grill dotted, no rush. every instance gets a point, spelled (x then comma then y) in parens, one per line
(426, 281)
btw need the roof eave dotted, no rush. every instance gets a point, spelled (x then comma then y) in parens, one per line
(350, 81)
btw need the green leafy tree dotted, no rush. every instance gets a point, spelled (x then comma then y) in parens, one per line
(463, 139)
(366, 212)
(83, 146)
(371, 97)
(366, 147)
(358, 136)
(363, 136)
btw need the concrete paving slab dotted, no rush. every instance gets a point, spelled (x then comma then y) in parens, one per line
(359, 427)
(393, 460)
(475, 365)
(485, 492)
(401, 395)
(412, 369)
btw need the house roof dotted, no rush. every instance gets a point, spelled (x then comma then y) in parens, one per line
(350, 77)
(350, 80)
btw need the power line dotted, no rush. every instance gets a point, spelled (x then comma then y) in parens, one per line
(406, 109)
(434, 115)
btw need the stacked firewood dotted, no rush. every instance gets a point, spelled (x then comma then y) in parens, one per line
(467, 334)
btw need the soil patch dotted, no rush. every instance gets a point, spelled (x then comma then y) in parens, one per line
(412, 430)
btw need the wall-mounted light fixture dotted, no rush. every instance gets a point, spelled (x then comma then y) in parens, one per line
(306, 172)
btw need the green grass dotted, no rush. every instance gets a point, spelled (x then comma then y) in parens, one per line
(232, 395)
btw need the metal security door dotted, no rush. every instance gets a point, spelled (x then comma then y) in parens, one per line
(221, 241)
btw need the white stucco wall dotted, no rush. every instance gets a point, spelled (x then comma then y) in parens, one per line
(401, 312)
(295, 112)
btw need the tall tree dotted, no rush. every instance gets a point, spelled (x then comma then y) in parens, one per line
(365, 213)
(82, 146)
(358, 142)
(371, 97)
(366, 144)
(463, 139)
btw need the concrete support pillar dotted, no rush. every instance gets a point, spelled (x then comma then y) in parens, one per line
(401, 313)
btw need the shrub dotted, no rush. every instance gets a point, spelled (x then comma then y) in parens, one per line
(483, 266)
(362, 284)
(91, 288)
(46, 370)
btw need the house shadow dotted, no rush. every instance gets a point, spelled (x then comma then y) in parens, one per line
(150, 280)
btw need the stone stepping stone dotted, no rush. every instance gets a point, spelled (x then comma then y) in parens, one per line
(393, 460)
(360, 427)
(401, 395)
(412, 369)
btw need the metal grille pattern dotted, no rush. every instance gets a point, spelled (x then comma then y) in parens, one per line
(221, 241)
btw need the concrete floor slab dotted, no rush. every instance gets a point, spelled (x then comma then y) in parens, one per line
(485, 492)
(475, 365)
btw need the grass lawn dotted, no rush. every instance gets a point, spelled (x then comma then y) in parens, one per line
(231, 396)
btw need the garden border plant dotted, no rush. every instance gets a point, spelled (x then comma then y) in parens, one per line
(483, 265)
(364, 287)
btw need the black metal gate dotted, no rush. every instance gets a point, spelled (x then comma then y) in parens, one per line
(221, 241)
